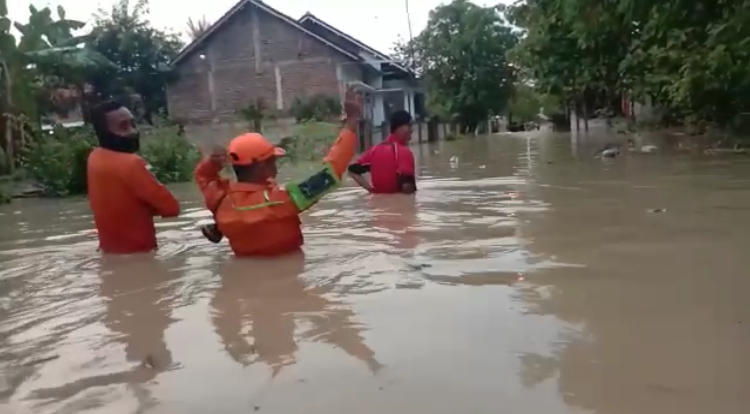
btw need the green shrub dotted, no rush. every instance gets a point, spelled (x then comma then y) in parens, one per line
(254, 113)
(3, 162)
(316, 108)
(171, 157)
(455, 137)
(57, 160)
(5, 194)
(309, 142)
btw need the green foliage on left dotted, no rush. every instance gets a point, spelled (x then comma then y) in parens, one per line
(50, 69)
(57, 160)
(44, 59)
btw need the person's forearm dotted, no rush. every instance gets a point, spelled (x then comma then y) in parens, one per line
(207, 172)
(361, 181)
(407, 183)
(342, 151)
(351, 124)
(210, 183)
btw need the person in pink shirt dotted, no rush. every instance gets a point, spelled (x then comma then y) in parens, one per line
(390, 163)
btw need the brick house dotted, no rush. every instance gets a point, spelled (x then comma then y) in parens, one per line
(255, 51)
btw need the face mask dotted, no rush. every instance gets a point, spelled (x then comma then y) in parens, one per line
(129, 144)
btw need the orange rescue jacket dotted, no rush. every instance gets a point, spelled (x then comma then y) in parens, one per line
(124, 197)
(261, 219)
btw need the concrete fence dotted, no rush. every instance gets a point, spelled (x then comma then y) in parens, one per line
(221, 133)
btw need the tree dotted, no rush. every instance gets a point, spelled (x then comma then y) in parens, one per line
(462, 56)
(691, 58)
(45, 59)
(8, 54)
(196, 28)
(59, 68)
(524, 104)
(141, 53)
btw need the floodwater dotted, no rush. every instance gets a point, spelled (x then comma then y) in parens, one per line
(527, 277)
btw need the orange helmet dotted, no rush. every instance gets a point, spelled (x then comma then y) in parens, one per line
(252, 147)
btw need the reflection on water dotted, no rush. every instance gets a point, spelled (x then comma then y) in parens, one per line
(525, 276)
(266, 300)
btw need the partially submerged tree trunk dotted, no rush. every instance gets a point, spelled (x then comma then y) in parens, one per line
(585, 113)
(8, 107)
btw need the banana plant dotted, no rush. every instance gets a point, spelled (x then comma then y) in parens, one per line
(46, 57)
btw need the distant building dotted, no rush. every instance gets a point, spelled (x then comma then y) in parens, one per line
(255, 51)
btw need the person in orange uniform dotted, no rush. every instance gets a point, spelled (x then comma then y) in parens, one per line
(257, 216)
(123, 194)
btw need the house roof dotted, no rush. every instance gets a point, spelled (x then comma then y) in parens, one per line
(262, 6)
(309, 17)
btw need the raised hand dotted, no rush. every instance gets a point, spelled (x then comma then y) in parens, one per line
(218, 155)
(352, 104)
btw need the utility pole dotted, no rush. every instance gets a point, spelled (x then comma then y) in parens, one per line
(408, 20)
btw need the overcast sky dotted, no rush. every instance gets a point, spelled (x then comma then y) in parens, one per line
(377, 23)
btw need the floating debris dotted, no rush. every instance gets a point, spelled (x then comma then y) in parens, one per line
(609, 151)
(657, 210)
(149, 362)
(41, 360)
(419, 266)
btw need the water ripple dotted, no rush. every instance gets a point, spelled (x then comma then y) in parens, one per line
(80, 332)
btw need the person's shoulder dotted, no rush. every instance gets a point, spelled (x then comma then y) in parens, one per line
(127, 165)
(108, 159)
(131, 160)
(381, 146)
(406, 148)
(115, 157)
(277, 192)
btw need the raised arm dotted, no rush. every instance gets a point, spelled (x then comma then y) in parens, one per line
(306, 193)
(343, 150)
(213, 187)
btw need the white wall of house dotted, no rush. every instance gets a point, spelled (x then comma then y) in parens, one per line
(378, 116)
(376, 81)
(349, 72)
(408, 90)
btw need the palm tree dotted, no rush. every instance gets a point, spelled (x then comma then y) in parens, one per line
(197, 27)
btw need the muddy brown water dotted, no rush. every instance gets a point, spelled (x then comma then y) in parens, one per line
(527, 277)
